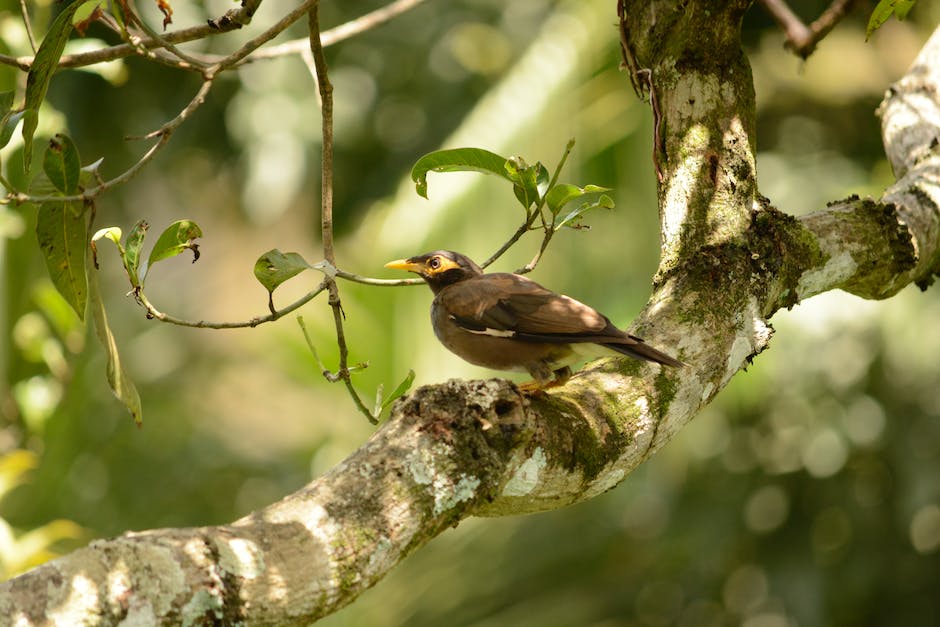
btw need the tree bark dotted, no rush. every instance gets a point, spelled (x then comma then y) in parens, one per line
(463, 448)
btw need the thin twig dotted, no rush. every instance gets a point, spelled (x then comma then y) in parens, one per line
(629, 59)
(793, 27)
(658, 147)
(802, 39)
(279, 27)
(548, 228)
(154, 313)
(339, 33)
(522, 230)
(221, 26)
(163, 134)
(642, 81)
(185, 60)
(526, 226)
(29, 26)
(326, 201)
(355, 278)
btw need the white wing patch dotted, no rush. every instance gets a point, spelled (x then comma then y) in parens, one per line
(491, 332)
(486, 331)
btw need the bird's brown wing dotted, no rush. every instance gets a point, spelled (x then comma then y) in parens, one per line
(511, 305)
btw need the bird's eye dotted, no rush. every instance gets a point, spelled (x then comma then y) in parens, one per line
(434, 263)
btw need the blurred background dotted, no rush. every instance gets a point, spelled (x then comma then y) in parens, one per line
(807, 494)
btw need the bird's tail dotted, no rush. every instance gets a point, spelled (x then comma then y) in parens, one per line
(642, 350)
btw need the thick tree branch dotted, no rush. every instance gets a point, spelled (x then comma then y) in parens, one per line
(479, 448)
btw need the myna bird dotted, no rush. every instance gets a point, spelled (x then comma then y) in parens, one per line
(505, 321)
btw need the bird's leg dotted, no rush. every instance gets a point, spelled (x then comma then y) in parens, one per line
(544, 378)
(561, 376)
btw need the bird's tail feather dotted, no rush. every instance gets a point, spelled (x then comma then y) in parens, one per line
(644, 351)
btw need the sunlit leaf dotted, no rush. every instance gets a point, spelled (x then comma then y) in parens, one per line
(542, 179)
(525, 180)
(113, 233)
(62, 233)
(570, 220)
(377, 406)
(456, 160)
(123, 388)
(8, 124)
(560, 195)
(62, 164)
(40, 73)
(14, 466)
(176, 238)
(35, 546)
(275, 267)
(402, 387)
(884, 10)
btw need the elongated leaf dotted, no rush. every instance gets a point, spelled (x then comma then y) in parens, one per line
(560, 195)
(403, 387)
(456, 160)
(179, 236)
(122, 386)
(8, 125)
(40, 73)
(377, 405)
(604, 201)
(62, 235)
(62, 164)
(884, 10)
(275, 267)
(135, 242)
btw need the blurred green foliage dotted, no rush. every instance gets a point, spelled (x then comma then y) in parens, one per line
(805, 495)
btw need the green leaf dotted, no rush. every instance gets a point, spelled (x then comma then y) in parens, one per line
(113, 233)
(62, 164)
(560, 195)
(530, 182)
(123, 388)
(456, 160)
(377, 406)
(884, 10)
(403, 387)
(135, 241)
(62, 235)
(40, 73)
(8, 125)
(88, 176)
(176, 238)
(603, 201)
(275, 267)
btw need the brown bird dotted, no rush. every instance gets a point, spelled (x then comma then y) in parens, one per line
(505, 321)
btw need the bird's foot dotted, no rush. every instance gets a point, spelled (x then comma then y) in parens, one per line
(539, 386)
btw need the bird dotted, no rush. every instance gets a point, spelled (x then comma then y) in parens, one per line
(507, 322)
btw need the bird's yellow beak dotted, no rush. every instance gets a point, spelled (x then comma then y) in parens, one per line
(404, 264)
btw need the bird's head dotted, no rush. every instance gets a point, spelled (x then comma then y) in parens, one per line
(439, 268)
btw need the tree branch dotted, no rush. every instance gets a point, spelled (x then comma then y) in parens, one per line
(480, 448)
(802, 39)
